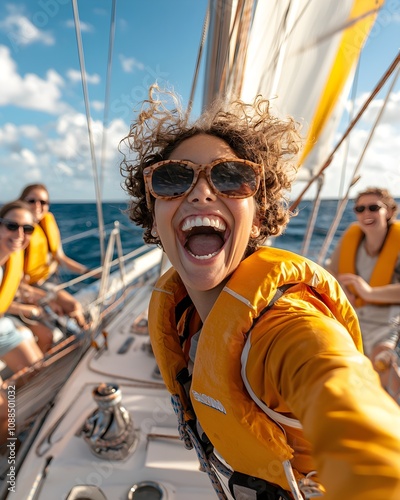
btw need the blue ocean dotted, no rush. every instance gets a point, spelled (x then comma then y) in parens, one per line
(76, 218)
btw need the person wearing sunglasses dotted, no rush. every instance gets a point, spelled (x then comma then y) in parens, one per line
(259, 347)
(366, 262)
(45, 253)
(18, 347)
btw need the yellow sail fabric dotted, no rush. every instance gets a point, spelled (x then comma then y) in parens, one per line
(299, 54)
(361, 20)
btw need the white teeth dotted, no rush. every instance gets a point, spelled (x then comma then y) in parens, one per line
(203, 257)
(198, 221)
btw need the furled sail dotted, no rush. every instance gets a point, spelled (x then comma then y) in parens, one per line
(300, 54)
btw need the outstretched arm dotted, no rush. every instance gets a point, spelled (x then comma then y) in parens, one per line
(313, 370)
(71, 264)
(387, 294)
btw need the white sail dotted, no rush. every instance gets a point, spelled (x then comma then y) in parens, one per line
(300, 54)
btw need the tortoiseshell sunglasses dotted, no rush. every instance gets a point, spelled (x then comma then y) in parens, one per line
(170, 179)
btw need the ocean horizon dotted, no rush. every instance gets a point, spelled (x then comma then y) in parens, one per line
(75, 218)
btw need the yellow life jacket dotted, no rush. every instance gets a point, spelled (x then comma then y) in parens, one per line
(45, 240)
(385, 264)
(218, 394)
(11, 280)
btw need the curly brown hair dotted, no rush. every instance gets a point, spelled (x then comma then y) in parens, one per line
(386, 198)
(249, 129)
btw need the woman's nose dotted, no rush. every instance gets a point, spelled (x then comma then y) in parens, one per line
(20, 232)
(202, 191)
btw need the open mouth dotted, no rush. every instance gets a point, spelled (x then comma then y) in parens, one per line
(15, 244)
(204, 236)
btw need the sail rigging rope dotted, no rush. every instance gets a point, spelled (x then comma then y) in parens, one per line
(351, 116)
(370, 98)
(200, 52)
(107, 94)
(343, 202)
(89, 126)
(321, 179)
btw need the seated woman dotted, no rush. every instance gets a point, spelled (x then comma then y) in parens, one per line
(18, 347)
(366, 262)
(44, 252)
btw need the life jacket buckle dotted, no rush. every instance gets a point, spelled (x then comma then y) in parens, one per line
(244, 487)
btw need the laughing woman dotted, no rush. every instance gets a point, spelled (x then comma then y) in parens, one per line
(45, 253)
(18, 347)
(367, 264)
(259, 347)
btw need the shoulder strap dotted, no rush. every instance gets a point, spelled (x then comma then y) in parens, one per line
(275, 416)
(386, 263)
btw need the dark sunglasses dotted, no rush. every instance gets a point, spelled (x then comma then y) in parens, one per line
(170, 179)
(14, 226)
(33, 202)
(372, 208)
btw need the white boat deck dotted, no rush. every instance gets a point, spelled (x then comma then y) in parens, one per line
(60, 459)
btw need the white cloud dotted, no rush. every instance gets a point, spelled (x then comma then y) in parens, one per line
(379, 164)
(85, 27)
(123, 24)
(100, 12)
(29, 91)
(75, 76)
(61, 159)
(129, 64)
(22, 32)
(28, 158)
(9, 135)
(391, 112)
(64, 168)
(98, 105)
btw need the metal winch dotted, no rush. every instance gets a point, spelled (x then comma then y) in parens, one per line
(109, 430)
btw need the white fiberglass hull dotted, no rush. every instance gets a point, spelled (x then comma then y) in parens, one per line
(60, 459)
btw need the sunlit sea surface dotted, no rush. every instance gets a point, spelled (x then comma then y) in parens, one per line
(76, 218)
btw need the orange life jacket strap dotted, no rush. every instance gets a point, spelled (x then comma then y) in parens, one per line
(383, 271)
(11, 279)
(50, 228)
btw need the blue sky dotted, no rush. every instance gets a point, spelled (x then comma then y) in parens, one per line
(43, 133)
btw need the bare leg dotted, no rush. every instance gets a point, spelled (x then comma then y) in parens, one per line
(44, 336)
(25, 354)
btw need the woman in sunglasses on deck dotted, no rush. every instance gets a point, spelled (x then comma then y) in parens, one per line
(45, 253)
(259, 347)
(18, 347)
(367, 264)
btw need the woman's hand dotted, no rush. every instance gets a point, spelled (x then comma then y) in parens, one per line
(71, 307)
(29, 311)
(55, 306)
(360, 286)
(386, 363)
(29, 294)
(79, 316)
